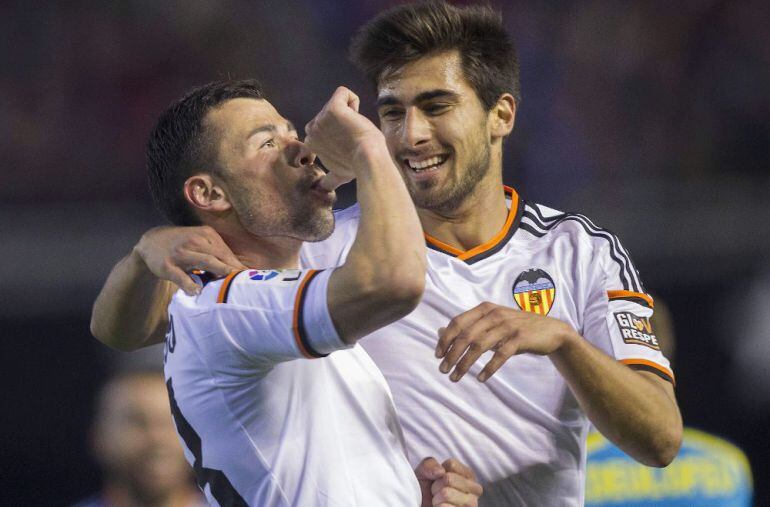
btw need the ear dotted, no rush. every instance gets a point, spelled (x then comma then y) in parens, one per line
(502, 116)
(204, 194)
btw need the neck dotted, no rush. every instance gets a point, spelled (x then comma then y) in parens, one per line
(265, 252)
(477, 220)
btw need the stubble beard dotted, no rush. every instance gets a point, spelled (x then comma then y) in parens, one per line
(295, 216)
(452, 195)
(309, 223)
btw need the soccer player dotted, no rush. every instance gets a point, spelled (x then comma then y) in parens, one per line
(268, 415)
(544, 308)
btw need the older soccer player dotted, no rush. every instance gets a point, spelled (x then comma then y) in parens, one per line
(272, 399)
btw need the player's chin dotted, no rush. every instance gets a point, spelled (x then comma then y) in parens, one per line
(427, 190)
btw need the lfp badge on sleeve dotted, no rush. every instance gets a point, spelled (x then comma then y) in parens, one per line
(534, 291)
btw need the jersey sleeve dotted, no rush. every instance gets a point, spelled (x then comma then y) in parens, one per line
(618, 311)
(273, 316)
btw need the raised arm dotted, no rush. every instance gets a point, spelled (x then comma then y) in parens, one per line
(130, 310)
(383, 277)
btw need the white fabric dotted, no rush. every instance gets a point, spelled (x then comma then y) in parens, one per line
(522, 432)
(282, 430)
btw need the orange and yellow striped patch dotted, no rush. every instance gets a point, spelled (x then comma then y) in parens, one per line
(534, 291)
(537, 301)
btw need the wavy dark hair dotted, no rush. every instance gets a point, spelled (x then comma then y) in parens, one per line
(408, 32)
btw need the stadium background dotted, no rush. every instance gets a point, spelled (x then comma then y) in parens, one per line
(651, 117)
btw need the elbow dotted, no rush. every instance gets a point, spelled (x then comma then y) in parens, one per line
(397, 286)
(98, 331)
(670, 448)
(110, 338)
(665, 447)
(401, 292)
(408, 294)
(395, 293)
(407, 284)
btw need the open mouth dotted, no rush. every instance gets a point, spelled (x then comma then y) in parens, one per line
(425, 164)
(425, 168)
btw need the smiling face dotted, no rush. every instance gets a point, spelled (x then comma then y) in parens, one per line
(437, 130)
(269, 176)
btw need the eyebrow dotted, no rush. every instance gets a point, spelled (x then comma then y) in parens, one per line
(389, 100)
(271, 128)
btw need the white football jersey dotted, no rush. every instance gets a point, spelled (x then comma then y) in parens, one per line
(270, 410)
(522, 431)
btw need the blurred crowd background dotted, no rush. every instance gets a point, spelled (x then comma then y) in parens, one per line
(651, 117)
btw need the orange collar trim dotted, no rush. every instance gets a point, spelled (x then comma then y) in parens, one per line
(495, 243)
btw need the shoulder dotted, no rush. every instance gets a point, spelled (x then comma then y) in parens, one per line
(594, 244)
(252, 287)
(542, 221)
(260, 287)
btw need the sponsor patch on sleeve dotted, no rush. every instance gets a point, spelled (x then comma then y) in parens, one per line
(279, 275)
(636, 330)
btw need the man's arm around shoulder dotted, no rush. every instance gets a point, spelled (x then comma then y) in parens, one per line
(130, 310)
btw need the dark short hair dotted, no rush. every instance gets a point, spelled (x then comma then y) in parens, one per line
(181, 146)
(411, 31)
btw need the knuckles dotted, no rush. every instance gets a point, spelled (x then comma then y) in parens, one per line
(442, 494)
(452, 464)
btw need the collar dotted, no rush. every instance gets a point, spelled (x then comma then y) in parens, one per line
(494, 244)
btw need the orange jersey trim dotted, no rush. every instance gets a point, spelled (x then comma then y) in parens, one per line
(488, 245)
(225, 288)
(443, 246)
(627, 294)
(296, 326)
(645, 362)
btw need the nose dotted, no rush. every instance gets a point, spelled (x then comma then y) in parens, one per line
(416, 128)
(300, 155)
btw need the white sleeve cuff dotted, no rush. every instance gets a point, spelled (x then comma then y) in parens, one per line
(315, 328)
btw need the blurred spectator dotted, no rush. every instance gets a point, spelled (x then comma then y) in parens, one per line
(134, 441)
(708, 472)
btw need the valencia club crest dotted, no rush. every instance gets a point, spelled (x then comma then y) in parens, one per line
(534, 291)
